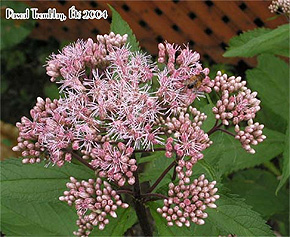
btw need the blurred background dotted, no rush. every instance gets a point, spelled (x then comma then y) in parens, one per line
(25, 44)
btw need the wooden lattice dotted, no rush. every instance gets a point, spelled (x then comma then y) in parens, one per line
(206, 25)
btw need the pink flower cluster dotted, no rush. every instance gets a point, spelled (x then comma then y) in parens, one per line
(237, 103)
(188, 137)
(109, 110)
(114, 162)
(46, 136)
(187, 203)
(252, 135)
(178, 73)
(94, 200)
(109, 105)
(280, 6)
(73, 59)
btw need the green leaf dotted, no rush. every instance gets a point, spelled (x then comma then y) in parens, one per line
(51, 91)
(227, 154)
(118, 226)
(30, 205)
(258, 188)
(119, 26)
(21, 218)
(155, 168)
(270, 119)
(12, 31)
(260, 41)
(35, 183)
(148, 158)
(271, 80)
(235, 217)
(210, 120)
(232, 216)
(286, 168)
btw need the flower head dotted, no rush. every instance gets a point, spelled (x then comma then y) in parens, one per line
(94, 200)
(187, 203)
(280, 6)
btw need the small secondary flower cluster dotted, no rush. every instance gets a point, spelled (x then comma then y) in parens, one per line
(280, 6)
(188, 137)
(237, 104)
(188, 202)
(94, 200)
(114, 162)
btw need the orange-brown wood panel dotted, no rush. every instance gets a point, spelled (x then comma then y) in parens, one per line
(248, 12)
(145, 35)
(212, 19)
(236, 15)
(203, 41)
(190, 28)
(215, 50)
(208, 26)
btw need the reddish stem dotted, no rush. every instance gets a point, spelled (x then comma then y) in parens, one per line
(161, 177)
(80, 159)
(140, 208)
(214, 128)
(125, 192)
(225, 131)
(174, 173)
(160, 196)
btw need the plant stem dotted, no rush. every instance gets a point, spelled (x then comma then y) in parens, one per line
(174, 173)
(161, 177)
(154, 195)
(225, 131)
(140, 208)
(80, 159)
(214, 128)
(126, 192)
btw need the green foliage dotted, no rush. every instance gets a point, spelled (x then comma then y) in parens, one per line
(119, 26)
(162, 229)
(51, 91)
(260, 41)
(153, 169)
(210, 120)
(235, 217)
(35, 182)
(271, 80)
(12, 31)
(285, 168)
(30, 205)
(256, 184)
(15, 60)
(20, 218)
(118, 226)
(23, 79)
(232, 216)
(227, 155)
